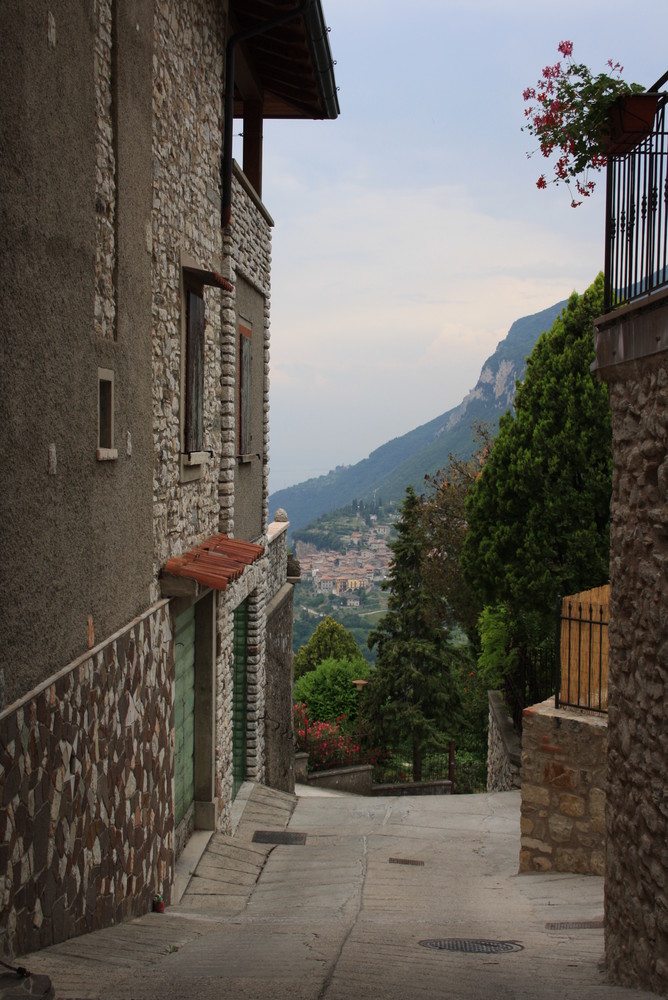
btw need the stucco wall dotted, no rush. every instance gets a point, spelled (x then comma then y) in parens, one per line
(636, 899)
(86, 768)
(71, 516)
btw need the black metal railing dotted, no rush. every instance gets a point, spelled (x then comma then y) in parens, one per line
(531, 682)
(636, 230)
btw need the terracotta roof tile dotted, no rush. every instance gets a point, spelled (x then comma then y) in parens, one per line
(215, 562)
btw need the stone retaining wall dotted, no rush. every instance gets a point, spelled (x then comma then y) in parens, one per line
(356, 780)
(86, 769)
(563, 790)
(503, 748)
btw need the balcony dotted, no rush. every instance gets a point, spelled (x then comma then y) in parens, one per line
(636, 237)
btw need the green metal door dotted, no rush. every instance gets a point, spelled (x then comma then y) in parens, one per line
(184, 706)
(239, 698)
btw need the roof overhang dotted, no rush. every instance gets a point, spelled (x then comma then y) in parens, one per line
(287, 69)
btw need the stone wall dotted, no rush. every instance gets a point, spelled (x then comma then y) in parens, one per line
(247, 249)
(250, 586)
(563, 790)
(277, 557)
(636, 895)
(187, 121)
(279, 727)
(503, 748)
(86, 770)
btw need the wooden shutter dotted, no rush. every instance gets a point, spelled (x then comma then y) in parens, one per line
(244, 390)
(194, 414)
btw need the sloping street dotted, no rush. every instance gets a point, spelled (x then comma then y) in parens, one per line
(374, 898)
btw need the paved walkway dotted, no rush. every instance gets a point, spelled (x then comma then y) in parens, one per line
(344, 914)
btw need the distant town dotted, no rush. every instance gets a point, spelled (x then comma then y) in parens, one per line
(344, 559)
(363, 566)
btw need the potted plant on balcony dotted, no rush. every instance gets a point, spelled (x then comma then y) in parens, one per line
(585, 118)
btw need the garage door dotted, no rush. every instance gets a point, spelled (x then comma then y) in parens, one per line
(239, 698)
(184, 724)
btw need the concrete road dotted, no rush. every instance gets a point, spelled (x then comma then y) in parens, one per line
(346, 913)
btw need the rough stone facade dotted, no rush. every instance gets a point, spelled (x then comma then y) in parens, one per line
(563, 790)
(503, 748)
(636, 906)
(187, 119)
(86, 821)
(115, 200)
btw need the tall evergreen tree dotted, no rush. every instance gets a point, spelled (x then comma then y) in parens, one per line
(411, 696)
(538, 515)
(445, 526)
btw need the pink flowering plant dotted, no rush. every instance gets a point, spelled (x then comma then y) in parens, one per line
(567, 112)
(328, 744)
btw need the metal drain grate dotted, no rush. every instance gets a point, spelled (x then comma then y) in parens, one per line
(406, 861)
(472, 946)
(575, 925)
(279, 837)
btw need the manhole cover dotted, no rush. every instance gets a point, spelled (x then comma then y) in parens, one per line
(472, 946)
(406, 861)
(278, 837)
(575, 925)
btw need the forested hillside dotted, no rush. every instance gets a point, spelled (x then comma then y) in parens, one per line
(405, 460)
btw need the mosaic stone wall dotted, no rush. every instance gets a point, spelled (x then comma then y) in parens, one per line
(86, 770)
(636, 908)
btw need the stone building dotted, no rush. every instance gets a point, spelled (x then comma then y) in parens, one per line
(631, 343)
(145, 636)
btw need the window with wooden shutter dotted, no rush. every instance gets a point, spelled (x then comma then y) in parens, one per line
(194, 380)
(244, 417)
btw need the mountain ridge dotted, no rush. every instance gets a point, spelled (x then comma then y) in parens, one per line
(406, 459)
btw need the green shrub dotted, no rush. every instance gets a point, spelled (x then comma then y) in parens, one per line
(328, 691)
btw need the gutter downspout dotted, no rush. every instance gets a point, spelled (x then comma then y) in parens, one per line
(228, 101)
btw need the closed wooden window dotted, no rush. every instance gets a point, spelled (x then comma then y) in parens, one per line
(194, 380)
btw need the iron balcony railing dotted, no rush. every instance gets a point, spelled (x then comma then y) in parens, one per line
(636, 236)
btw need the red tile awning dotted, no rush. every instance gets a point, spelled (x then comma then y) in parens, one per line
(215, 562)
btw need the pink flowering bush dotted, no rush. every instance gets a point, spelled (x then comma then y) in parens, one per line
(328, 744)
(567, 112)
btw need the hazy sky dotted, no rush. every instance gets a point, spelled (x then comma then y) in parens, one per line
(409, 234)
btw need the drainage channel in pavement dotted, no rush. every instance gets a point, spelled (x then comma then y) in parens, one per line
(279, 837)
